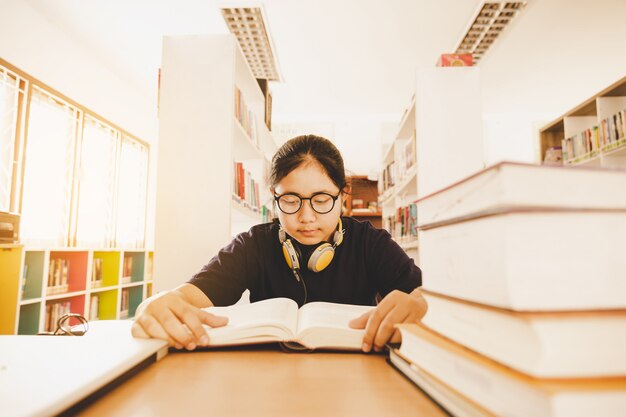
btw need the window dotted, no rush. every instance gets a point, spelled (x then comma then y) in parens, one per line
(9, 104)
(48, 170)
(75, 179)
(132, 194)
(96, 185)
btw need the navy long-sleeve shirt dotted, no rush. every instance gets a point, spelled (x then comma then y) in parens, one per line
(368, 262)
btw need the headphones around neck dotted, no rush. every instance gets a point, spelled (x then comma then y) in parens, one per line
(319, 259)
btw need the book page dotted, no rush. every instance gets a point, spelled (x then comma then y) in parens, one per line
(322, 324)
(322, 314)
(273, 319)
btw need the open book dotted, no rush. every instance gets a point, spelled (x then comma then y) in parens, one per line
(313, 326)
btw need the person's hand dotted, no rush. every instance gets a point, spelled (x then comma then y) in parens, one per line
(169, 316)
(396, 307)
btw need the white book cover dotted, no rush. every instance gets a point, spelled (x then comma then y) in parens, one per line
(530, 260)
(589, 344)
(508, 185)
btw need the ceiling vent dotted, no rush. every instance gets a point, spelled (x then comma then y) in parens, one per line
(489, 21)
(248, 24)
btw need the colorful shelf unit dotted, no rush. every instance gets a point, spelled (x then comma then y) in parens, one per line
(39, 285)
(590, 134)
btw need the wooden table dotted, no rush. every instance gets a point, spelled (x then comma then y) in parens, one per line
(266, 381)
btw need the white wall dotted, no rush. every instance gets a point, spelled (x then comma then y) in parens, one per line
(40, 48)
(357, 136)
(556, 55)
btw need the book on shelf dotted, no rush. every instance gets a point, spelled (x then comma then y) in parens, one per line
(530, 260)
(124, 303)
(503, 391)
(58, 276)
(454, 403)
(595, 140)
(507, 185)
(402, 225)
(613, 130)
(53, 312)
(246, 189)
(388, 177)
(317, 325)
(96, 273)
(589, 344)
(245, 116)
(127, 270)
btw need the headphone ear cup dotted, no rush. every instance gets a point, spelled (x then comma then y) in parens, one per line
(291, 254)
(321, 257)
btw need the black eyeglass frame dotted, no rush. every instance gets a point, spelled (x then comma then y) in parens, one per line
(333, 197)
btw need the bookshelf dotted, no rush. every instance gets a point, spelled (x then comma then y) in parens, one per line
(438, 141)
(398, 184)
(39, 284)
(362, 202)
(592, 133)
(214, 153)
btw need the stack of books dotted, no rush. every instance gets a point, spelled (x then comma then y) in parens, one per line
(525, 279)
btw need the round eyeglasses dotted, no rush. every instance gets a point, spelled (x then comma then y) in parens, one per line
(321, 203)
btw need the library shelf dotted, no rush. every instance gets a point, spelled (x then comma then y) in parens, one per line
(91, 279)
(444, 113)
(591, 134)
(214, 153)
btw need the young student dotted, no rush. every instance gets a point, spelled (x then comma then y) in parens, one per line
(310, 253)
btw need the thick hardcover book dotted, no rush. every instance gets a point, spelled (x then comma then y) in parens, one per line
(317, 325)
(512, 185)
(506, 392)
(588, 344)
(448, 399)
(530, 260)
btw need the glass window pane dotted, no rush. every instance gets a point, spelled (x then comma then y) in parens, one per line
(9, 91)
(96, 178)
(131, 196)
(48, 171)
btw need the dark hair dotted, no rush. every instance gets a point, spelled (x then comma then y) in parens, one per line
(308, 148)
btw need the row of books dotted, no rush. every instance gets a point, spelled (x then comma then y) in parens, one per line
(58, 276)
(246, 189)
(245, 116)
(96, 273)
(124, 303)
(524, 279)
(127, 270)
(387, 178)
(590, 142)
(53, 312)
(403, 224)
(405, 157)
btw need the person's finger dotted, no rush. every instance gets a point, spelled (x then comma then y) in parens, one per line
(360, 322)
(174, 328)
(377, 316)
(387, 327)
(137, 331)
(191, 317)
(151, 327)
